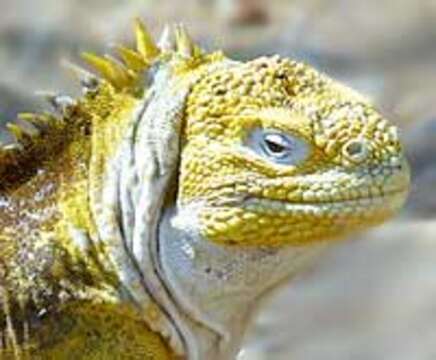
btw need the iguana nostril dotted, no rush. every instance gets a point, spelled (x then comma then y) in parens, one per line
(355, 150)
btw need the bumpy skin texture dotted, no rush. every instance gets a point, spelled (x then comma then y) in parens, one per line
(270, 153)
(274, 93)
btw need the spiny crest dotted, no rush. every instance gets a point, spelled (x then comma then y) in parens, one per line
(144, 42)
(126, 73)
(123, 74)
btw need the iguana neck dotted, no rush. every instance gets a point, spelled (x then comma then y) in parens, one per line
(128, 180)
(218, 288)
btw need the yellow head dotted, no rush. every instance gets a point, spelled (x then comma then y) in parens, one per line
(278, 154)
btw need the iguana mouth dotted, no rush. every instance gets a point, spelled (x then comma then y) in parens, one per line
(366, 193)
(358, 200)
(247, 200)
(291, 206)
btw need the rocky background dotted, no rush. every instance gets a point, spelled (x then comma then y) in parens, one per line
(372, 298)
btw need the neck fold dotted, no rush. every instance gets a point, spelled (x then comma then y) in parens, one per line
(217, 287)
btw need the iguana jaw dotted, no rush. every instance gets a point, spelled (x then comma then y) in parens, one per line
(217, 287)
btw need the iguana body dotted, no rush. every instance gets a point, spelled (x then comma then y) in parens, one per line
(150, 216)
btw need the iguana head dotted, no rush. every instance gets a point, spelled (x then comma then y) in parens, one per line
(275, 160)
(275, 153)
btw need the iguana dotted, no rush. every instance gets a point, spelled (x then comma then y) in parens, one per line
(149, 217)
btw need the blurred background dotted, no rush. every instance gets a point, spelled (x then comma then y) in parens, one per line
(371, 298)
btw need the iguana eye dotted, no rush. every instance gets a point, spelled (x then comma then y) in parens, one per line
(278, 146)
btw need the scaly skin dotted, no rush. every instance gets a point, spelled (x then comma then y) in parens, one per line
(147, 219)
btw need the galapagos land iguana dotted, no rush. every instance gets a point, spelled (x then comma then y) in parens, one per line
(147, 218)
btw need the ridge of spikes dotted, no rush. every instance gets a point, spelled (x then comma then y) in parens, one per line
(40, 121)
(18, 132)
(126, 73)
(144, 42)
(184, 44)
(63, 105)
(132, 59)
(33, 139)
(27, 129)
(87, 80)
(29, 126)
(110, 70)
(123, 74)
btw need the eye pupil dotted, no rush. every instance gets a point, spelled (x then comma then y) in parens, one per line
(274, 147)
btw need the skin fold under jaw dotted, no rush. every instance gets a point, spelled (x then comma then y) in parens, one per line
(150, 217)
